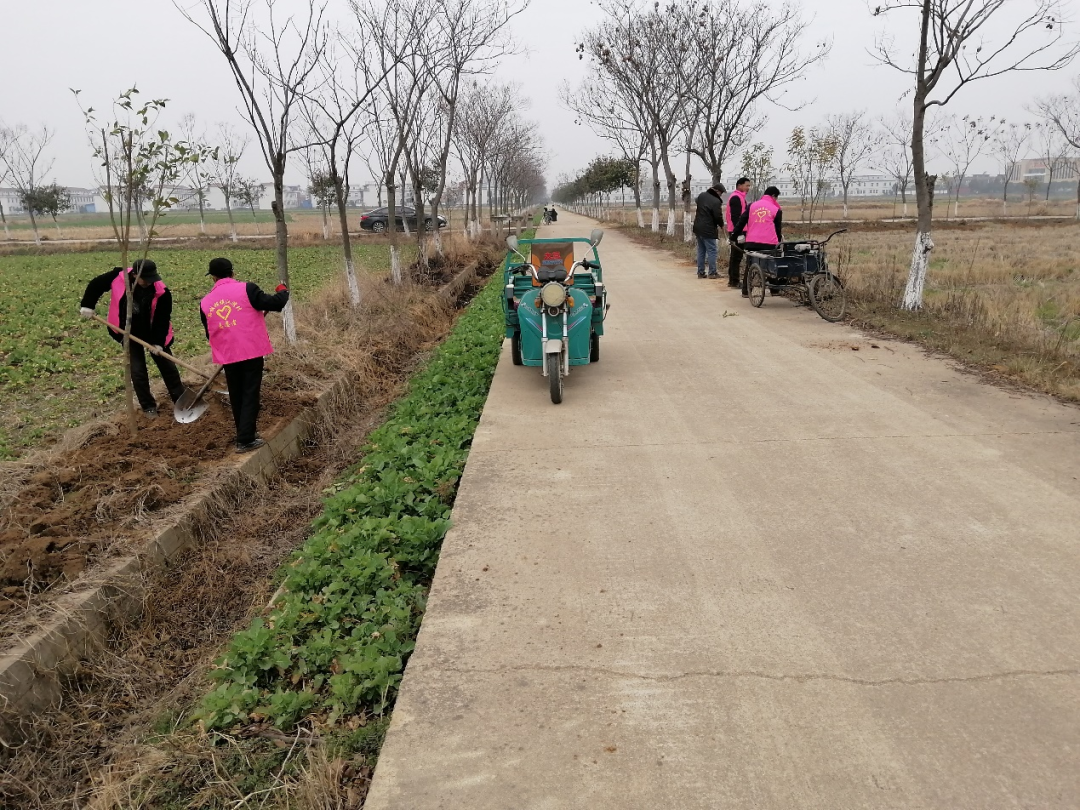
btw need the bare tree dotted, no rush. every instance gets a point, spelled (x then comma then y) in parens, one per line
(336, 127)
(641, 52)
(26, 165)
(249, 192)
(895, 156)
(1010, 141)
(959, 42)
(746, 53)
(855, 141)
(484, 111)
(1063, 111)
(476, 34)
(615, 117)
(273, 62)
(225, 172)
(963, 141)
(5, 145)
(198, 175)
(395, 104)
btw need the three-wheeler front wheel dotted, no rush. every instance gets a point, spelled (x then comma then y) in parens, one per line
(554, 373)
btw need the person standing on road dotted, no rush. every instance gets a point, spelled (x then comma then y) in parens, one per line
(151, 321)
(707, 223)
(735, 207)
(234, 317)
(761, 227)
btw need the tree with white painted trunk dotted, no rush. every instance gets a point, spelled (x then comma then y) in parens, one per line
(26, 165)
(855, 143)
(273, 60)
(484, 111)
(963, 141)
(1010, 143)
(5, 144)
(225, 170)
(333, 115)
(895, 155)
(476, 36)
(1063, 112)
(616, 117)
(957, 42)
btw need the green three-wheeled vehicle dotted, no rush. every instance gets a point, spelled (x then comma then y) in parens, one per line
(554, 306)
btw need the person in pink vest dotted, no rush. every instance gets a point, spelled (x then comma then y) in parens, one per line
(151, 321)
(234, 317)
(761, 227)
(736, 205)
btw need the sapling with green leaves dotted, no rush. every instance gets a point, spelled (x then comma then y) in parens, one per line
(138, 160)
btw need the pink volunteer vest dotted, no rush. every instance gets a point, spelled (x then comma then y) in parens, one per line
(727, 208)
(117, 291)
(760, 227)
(237, 330)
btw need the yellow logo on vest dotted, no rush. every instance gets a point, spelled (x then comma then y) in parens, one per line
(763, 214)
(223, 309)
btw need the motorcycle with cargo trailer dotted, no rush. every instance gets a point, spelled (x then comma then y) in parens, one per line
(554, 306)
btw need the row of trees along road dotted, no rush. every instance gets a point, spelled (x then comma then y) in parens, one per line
(685, 79)
(396, 84)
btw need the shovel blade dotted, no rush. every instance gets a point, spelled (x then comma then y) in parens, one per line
(189, 407)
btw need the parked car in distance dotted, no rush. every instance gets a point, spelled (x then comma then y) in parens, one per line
(379, 220)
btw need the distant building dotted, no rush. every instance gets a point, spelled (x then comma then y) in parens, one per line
(1038, 169)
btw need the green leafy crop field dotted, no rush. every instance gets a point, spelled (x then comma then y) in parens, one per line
(57, 370)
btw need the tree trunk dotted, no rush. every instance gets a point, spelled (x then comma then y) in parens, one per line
(3, 216)
(202, 214)
(637, 205)
(232, 224)
(845, 202)
(325, 222)
(33, 224)
(346, 241)
(281, 233)
(59, 233)
(391, 218)
(924, 183)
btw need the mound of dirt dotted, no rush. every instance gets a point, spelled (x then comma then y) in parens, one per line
(110, 489)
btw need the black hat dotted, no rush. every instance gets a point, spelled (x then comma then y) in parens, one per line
(220, 268)
(149, 270)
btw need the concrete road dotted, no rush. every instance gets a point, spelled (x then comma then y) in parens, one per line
(755, 560)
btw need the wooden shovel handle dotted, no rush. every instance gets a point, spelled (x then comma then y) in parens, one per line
(144, 344)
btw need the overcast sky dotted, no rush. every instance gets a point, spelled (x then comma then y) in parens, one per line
(105, 46)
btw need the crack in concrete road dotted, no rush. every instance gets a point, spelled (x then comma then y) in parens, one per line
(808, 677)
(995, 434)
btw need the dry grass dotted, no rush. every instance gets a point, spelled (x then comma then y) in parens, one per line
(114, 743)
(1003, 297)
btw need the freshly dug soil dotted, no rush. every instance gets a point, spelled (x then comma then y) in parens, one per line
(110, 489)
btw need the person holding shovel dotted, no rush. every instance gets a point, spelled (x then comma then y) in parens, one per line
(151, 321)
(234, 317)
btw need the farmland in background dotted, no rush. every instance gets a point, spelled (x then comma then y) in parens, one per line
(57, 371)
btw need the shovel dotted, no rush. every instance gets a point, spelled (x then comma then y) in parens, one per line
(191, 406)
(175, 360)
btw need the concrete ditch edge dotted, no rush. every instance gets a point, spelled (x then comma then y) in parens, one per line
(31, 672)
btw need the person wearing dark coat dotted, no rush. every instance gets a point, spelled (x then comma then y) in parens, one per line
(736, 205)
(151, 321)
(708, 221)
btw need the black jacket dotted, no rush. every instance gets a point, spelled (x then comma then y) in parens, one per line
(709, 218)
(744, 220)
(153, 331)
(264, 302)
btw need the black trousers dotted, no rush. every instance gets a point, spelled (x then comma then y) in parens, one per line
(140, 375)
(734, 260)
(245, 384)
(757, 247)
